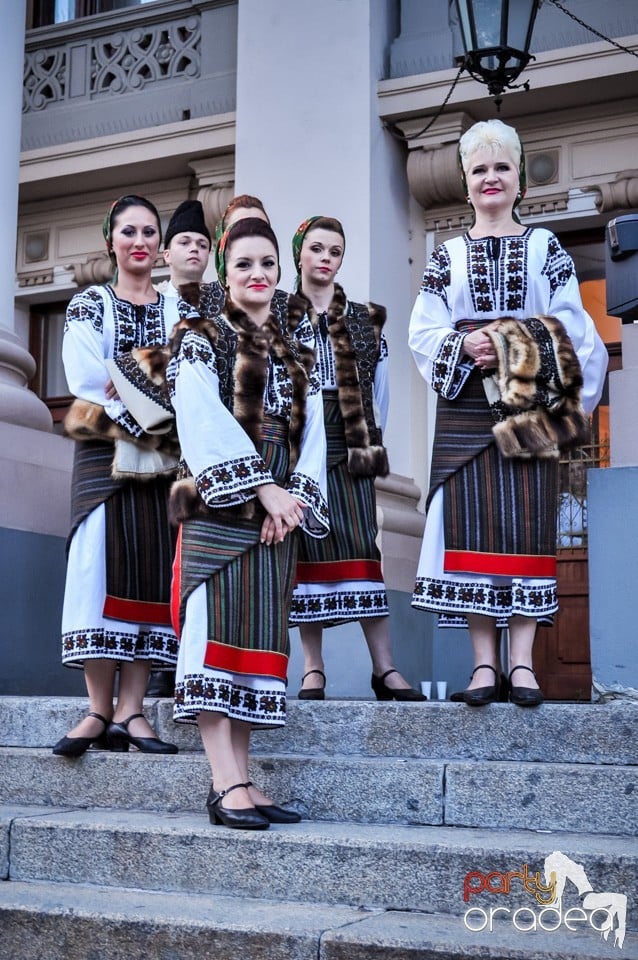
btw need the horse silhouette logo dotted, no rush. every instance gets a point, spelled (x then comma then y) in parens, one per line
(613, 904)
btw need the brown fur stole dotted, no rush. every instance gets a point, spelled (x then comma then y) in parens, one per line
(243, 377)
(367, 457)
(538, 383)
(89, 421)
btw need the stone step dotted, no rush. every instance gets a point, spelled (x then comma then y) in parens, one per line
(58, 921)
(364, 789)
(390, 867)
(534, 796)
(605, 733)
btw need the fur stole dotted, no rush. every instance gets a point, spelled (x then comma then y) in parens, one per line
(135, 458)
(535, 393)
(243, 354)
(354, 367)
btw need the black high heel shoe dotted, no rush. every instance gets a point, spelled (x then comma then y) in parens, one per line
(76, 746)
(274, 812)
(525, 696)
(383, 692)
(119, 739)
(249, 818)
(314, 693)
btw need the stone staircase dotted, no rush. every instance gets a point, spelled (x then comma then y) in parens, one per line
(111, 857)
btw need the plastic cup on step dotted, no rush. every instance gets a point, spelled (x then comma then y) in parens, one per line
(441, 689)
(426, 688)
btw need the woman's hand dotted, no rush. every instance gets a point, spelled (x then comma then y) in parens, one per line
(284, 511)
(480, 348)
(110, 392)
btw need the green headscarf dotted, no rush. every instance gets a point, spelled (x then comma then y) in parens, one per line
(125, 201)
(297, 240)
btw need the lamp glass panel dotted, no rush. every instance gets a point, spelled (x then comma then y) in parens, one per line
(521, 12)
(487, 21)
(464, 20)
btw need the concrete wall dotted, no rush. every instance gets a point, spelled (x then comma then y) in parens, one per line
(613, 571)
(35, 475)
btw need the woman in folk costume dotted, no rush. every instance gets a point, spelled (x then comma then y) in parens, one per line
(117, 598)
(512, 392)
(339, 579)
(249, 420)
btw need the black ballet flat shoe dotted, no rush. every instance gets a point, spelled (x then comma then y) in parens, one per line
(248, 818)
(274, 812)
(383, 692)
(119, 739)
(503, 692)
(483, 695)
(314, 693)
(278, 814)
(525, 696)
(76, 746)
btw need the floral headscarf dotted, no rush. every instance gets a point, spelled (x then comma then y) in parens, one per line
(298, 239)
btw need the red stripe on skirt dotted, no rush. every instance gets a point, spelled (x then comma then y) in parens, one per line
(499, 564)
(334, 571)
(176, 583)
(137, 611)
(259, 663)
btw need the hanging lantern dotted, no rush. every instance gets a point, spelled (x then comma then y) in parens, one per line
(496, 38)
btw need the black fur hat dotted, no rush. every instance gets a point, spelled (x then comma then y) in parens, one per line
(188, 218)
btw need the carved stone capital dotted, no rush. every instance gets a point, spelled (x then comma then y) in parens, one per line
(216, 181)
(433, 176)
(214, 200)
(95, 270)
(620, 194)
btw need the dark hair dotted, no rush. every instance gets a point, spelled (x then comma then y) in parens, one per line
(121, 204)
(243, 201)
(326, 223)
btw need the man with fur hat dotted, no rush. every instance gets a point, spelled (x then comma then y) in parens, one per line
(186, 246)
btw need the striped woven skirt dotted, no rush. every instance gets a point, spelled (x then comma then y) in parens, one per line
(489, 545)
(117, 592)
(339, 578)
(234, 593)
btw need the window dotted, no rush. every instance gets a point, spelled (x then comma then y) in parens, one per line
(588, 252)
(43, 13)
(45, 345)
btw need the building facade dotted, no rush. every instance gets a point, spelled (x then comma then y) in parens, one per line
(316, 107)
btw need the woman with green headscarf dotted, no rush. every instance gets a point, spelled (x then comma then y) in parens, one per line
(116, 613)
(498, 330)
(339, 579)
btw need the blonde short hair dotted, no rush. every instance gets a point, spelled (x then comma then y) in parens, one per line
(493, 134)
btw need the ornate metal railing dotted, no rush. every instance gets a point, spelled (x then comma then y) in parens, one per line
(118, 63)
(143, 66)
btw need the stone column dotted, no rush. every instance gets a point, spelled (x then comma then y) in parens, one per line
(309, 141)
(18, 405)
